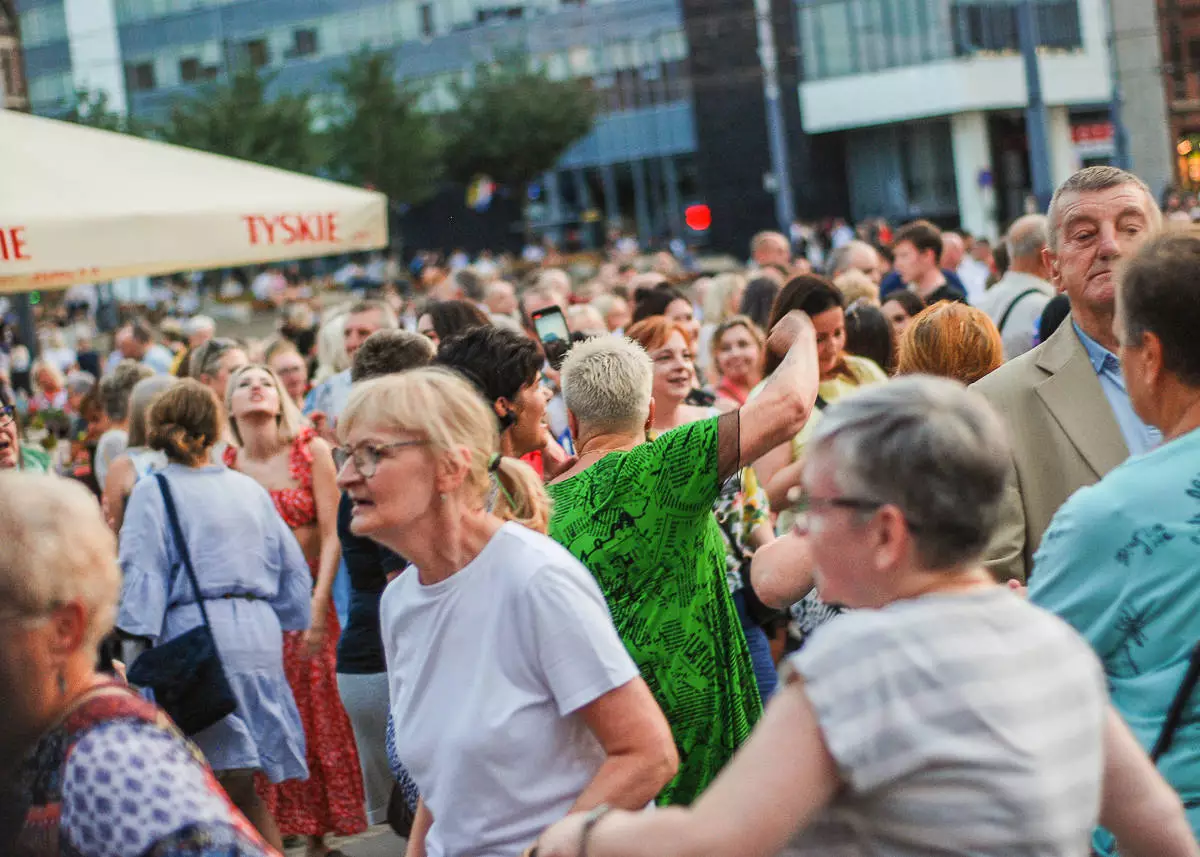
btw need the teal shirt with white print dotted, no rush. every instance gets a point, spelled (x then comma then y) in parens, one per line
(1121, 563)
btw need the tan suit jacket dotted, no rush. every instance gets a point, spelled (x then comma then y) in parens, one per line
(1063, 435)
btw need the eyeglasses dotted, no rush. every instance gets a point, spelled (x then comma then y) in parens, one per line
(824, 504)
(366, 457)
(8, 415)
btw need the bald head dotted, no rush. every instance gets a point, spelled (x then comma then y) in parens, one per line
(858, 256)
(771, 248)
(1026, 240)
(953, 250)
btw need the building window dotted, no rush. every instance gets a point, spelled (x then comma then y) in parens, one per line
(258, 53)
(305, 43)
(427, 27)
(190, 70)
(139, 77)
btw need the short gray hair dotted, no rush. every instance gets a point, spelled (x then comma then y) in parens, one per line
(1091, 179)
(1028, 236)
(607, 383)
(930, 447)
(198, 323)
(143, 395)
(54, 548)
(115, 389)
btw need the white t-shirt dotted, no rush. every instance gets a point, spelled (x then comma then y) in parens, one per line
(487, 671)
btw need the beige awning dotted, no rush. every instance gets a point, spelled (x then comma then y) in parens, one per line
(79, 205)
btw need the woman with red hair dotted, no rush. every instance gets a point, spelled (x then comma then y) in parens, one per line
(952, 340)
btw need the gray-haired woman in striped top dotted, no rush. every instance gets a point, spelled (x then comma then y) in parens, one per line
(946, 715)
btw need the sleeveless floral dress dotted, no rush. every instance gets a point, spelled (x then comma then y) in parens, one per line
(331, 800)
(116, 778)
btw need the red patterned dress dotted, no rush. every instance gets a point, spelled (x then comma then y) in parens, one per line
(331, 800)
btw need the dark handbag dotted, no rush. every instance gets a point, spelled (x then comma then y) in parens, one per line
(185, 674)
(760, 614)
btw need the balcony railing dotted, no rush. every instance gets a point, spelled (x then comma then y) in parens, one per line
(845, 37)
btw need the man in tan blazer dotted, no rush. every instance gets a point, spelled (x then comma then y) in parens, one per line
(1069, 418)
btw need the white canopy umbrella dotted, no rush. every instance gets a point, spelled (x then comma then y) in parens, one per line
(78, 205)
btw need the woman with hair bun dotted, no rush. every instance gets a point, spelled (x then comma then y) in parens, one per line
(253, 578)
(514, 700)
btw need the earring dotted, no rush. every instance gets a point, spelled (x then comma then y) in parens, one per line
(443, 496)
(62, 683)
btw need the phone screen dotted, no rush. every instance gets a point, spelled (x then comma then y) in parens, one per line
(551, 325)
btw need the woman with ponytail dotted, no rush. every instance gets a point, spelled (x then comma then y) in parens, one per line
(513, 699)
(253, 578)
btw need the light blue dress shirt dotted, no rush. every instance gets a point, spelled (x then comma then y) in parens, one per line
(1139, 437)
(1119, 564)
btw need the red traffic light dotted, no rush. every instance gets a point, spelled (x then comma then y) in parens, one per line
(697, 217)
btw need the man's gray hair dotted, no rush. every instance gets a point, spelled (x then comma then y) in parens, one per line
(1091, 179)
(930, 447)
(387, 315)
(841, 259)
(197, 324)
(1028, 236)
(607, 383)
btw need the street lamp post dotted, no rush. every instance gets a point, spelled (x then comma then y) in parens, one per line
(1035, 110)
(776, 132)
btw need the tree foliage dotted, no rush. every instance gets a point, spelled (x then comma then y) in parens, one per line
(237, 119)
(378, 137)
(514, 123)
(92, 109)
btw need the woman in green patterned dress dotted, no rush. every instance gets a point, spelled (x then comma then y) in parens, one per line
(639, 516)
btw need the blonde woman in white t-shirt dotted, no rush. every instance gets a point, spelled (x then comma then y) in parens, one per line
(514, 700)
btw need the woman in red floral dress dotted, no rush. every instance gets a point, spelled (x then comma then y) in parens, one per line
(297, 468)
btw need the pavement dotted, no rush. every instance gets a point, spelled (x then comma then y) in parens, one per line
(378, 841)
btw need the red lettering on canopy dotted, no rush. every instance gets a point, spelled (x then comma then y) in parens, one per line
(12, 244)
(292, 228)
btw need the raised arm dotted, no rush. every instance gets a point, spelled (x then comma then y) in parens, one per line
(785, 403)
(782, 572)
(1138, 806)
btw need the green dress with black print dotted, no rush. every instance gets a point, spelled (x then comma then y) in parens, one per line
(641, 521)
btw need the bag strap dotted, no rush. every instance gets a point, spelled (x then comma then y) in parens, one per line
(181, 545)
(1175, 712)
(1013, 305)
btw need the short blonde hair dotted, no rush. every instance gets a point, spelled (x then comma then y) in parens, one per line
(607, 383)
(442, 407)
(55, 548)
(856, 286)
(289, 420)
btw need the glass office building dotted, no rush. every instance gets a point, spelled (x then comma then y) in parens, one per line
(636, 166)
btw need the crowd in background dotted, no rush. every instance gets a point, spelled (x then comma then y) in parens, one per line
(778, 545)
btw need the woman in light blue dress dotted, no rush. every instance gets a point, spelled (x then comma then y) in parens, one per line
(254, 579)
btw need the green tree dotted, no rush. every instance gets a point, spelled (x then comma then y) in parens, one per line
(237, 119)
(377, 135)
(92, 109)
(514, 123)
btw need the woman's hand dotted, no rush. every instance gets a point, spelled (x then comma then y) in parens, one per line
(788, 331)
(563, 838)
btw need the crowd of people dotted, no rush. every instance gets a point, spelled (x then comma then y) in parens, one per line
(884, 547)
